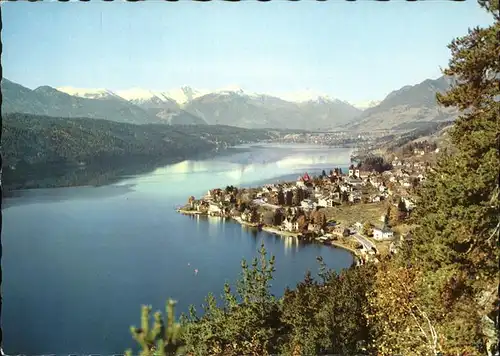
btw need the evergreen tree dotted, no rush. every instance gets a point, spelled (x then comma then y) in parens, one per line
(278, 217)
(367, 229)
(344, 197)
(162, 339)
(249, 323)
(281, 197)
(393, 216)
(403, 211)
(254, 215)
(301, 316)
(302, 222)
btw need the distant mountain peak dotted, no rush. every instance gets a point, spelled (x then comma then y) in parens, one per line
(305, 96)
(137, 94)
(98, 93)
(184, 94)
(46, 89)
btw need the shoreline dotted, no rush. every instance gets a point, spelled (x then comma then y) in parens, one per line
(272, 230)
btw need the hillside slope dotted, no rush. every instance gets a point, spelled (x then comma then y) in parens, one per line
(407, 107)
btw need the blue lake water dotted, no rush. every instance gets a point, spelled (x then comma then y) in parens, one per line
(79, 262)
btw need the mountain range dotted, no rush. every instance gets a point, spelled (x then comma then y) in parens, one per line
(402, 108)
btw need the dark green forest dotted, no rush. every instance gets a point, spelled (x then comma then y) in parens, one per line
(43, 151)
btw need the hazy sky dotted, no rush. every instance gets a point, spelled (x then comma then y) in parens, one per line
(355, 51)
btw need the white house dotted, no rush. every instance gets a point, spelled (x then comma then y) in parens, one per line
(313, 227)
(245, 216)
(408, 203)
(300, 184)
(290, 224)
(355, 181)
(325, 202)
(382, 234)
(318, 195)
(345, 188)
(307, 204)
(214, 209)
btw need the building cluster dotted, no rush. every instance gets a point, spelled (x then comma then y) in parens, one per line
(299, 206)
(307, 194)
(324, 138)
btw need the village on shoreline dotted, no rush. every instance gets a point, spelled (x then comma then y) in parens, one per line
(364, 210)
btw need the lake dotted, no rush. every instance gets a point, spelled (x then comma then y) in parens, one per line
(79, 262)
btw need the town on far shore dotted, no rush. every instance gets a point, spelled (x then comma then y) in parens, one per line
(364, 209)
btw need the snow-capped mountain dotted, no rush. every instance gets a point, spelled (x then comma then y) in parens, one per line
(233, 106)
(139, 94)
(148, 99)
(89, 93)
(185, 94)
(180, 95)
(305, 96)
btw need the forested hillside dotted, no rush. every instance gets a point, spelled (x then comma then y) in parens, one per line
(437, 296)
(39, 143)
(436, 130)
